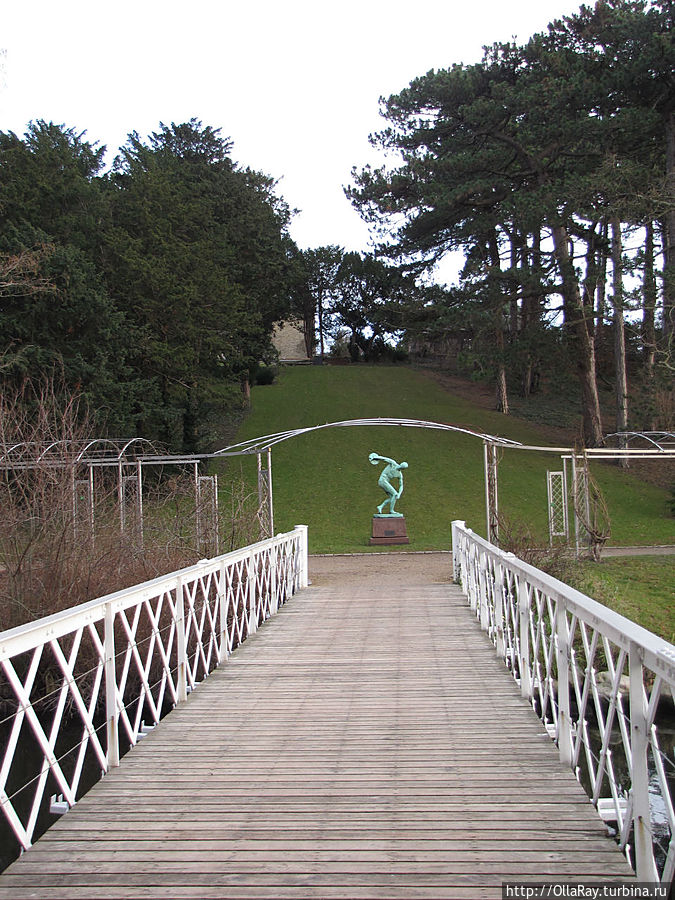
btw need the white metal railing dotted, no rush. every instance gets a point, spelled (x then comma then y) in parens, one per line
(603, 686)
(79, 687)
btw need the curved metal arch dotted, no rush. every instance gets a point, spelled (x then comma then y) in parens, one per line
(67, 452)
(9, 454)
(130, 442)
(260, 444)
(81, 455)
(48, 448)
(656, 438)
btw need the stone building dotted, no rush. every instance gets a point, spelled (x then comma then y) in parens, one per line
(289, 341)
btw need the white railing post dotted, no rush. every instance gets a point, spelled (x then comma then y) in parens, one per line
(456, 550)
(223, 646)
(252, 624)
(303, 562)
(500, 605)
(181, 648)
(473, 581)
(524, 599)
(110, 675)
(562, 664)
(483, 590)
(274, 580)
(639, 741)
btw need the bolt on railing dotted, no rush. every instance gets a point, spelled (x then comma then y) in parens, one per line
(577, 662)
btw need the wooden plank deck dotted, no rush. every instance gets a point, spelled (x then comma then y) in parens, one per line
(365, 743)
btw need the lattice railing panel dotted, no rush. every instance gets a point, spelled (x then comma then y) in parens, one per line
(44, 686)
(603, 686)
(79, 688)
(202, 626)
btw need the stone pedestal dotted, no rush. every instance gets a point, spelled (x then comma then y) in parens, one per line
(389, 530)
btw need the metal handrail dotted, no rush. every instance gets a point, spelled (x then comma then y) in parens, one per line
(555, 640)
(106, 667)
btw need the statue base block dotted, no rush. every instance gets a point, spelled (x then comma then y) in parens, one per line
(389, 530)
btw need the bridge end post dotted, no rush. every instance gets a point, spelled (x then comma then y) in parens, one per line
(303, 561)
(456, 563)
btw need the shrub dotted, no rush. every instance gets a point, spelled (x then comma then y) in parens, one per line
(265, 375)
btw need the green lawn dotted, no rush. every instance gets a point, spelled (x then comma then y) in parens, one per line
(638, 587)
(324, 479)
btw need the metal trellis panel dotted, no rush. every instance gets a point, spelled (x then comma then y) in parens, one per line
(556, 484)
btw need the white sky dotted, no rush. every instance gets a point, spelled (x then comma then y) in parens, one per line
(294, 83)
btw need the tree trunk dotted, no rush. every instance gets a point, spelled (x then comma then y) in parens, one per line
(309, 339)
(532, 308)
(309, 324)
(245, 386)
(592, 275)
(502, 396)
(601, 311)
(621, 380)
(649, 303)
(669, 242)
(502, 392)
(514, 312)
(319, 309)
(577, 323)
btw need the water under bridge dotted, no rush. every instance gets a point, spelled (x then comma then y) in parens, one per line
(365, 740)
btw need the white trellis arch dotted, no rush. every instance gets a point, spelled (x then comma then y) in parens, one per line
(127, 457)
(658, 445)
(263, 445)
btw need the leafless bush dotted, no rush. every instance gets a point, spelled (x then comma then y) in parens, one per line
(555, 560)
(63, 536)
(242, 525)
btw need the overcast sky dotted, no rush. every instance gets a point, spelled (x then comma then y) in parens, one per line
(295, 83)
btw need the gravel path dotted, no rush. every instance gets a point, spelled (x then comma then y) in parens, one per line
(388, 569)
(664, 550)
(421, 568)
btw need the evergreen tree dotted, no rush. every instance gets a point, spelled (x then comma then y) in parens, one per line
(61, 317)
(544, 140)
(198, 257)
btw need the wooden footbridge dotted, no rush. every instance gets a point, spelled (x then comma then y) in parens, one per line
(365, 742)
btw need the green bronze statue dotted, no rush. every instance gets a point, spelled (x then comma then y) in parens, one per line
(390, 471)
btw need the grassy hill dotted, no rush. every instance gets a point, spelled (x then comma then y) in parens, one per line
(324, 479)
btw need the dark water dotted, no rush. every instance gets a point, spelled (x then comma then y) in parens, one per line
(26, 768)
(659, 816)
